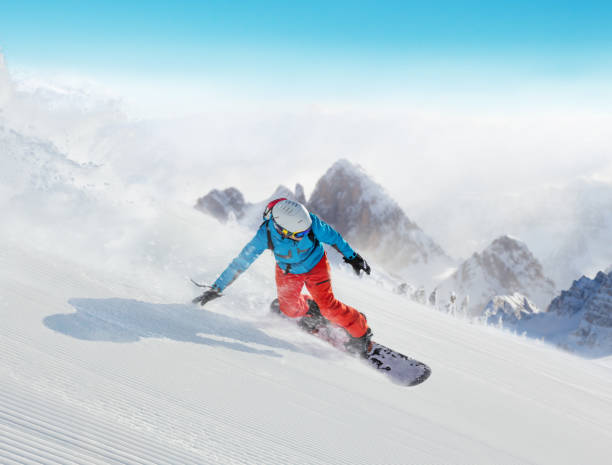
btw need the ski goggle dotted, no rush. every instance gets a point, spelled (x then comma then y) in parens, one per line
(290, 235)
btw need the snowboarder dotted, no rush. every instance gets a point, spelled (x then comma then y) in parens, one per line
(294, 235)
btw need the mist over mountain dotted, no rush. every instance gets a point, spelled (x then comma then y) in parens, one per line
(567, 223)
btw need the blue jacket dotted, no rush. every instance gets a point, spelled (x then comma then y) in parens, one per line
(295, 257)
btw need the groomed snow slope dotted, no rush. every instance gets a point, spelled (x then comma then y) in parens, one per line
(102, 366)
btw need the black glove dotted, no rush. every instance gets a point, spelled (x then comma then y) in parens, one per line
(358, 264)
(209, 295)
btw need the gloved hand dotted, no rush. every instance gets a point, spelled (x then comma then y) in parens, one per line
(358, 264)
(209, 295)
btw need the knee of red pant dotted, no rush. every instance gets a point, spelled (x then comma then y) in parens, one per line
(294, 308)
(290, 310)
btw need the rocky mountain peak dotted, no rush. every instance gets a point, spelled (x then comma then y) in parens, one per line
(507, 244)
(361, 210)
(222, 203)
(230, 203)
(350, 200)
(580, 318)
(509, 309)
(509, 260)
(505, 267)
(582, 294)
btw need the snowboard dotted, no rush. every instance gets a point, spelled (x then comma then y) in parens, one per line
(397, 367)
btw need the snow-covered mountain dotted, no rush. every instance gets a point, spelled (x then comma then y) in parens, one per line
(509, 309)
(75, 120)
(504, 268)
(589, 300)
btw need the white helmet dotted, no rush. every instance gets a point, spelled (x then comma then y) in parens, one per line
(291, 216)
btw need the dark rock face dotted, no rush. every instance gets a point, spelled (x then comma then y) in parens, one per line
(223, 204)
(220, 204)
(368, 218)
(593, 297)
(580, 318)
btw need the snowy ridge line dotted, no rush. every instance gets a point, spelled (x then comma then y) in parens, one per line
(39, 419)
(226, 417)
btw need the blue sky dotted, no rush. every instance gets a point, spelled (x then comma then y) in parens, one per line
(315, 46)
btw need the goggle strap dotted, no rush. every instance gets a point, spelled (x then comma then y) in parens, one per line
(268, 211)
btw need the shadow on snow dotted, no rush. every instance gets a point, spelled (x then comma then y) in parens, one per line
(123, 320)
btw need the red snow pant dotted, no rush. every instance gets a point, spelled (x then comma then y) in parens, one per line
(318, 282)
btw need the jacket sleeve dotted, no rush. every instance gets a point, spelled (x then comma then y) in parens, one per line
(325, 233)
(249, 253)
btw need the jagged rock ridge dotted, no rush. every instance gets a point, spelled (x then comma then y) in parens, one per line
(230, 203)
(590, 297)
(222, 204)
(579, 319)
